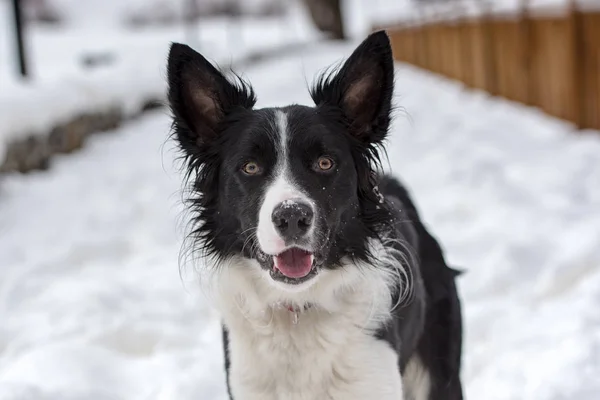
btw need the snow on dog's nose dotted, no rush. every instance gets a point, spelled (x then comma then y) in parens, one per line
(292, 219)
(286, 216)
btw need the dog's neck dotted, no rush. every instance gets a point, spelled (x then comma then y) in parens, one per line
(360, 293)
(294, 310)
(294, 340)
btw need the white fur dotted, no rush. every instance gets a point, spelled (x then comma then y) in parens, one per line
(327, 351)
(330, 353)
(417, 381)
(281, 189)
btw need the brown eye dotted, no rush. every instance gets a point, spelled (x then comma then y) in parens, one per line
(251, 168)
(325, 163)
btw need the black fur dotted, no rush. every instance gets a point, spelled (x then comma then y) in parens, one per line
(438, 338)
(218, 131)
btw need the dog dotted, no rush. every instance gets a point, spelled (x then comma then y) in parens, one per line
(328, 283)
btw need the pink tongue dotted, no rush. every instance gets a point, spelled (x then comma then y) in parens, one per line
(294, 263)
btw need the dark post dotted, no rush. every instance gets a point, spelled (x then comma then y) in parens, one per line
(327, 16)
(19, 37)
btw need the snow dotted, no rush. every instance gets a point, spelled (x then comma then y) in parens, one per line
(91, 301)
(61, 88)
(515, 198)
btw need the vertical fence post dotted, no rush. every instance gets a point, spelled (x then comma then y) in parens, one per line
(419, 45)
(465, 48)
(20, 43)
(579, 67)
(527, 53)
(591, 33)
(489, 49)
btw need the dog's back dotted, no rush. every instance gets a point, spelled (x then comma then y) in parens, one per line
(431, 363)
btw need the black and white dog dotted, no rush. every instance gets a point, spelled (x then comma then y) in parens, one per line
(329, 285)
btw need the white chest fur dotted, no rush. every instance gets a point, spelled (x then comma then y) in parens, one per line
(330, 353)
(320, 357)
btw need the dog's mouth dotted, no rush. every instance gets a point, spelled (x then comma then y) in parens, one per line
(294, 263)
(292, 266)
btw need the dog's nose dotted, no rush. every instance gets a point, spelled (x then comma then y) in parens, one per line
(292, 219)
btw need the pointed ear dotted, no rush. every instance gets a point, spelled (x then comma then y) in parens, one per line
(200, 96)
(362, 88)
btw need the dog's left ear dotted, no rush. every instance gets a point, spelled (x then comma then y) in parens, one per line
(362, 88)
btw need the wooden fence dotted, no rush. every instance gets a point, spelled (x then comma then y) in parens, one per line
(550, 62)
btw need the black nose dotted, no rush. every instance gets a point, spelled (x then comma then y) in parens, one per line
(292, 219)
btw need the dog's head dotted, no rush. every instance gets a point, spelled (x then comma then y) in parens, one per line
(288, 187)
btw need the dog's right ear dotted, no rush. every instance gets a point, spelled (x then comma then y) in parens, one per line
(200, 96)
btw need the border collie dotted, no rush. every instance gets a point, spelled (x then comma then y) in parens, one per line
(328, 283)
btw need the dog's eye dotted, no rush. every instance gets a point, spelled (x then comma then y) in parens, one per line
(324, 163)
(251, 168)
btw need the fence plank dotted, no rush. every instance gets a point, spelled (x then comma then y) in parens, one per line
(510, 49)
(551, 62)
(590, 32)
(553, 66)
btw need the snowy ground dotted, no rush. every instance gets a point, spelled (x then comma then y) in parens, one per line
(92, 306)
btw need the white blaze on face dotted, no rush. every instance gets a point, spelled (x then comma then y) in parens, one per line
(280, 189)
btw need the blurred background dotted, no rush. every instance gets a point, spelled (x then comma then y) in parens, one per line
(496, 133)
